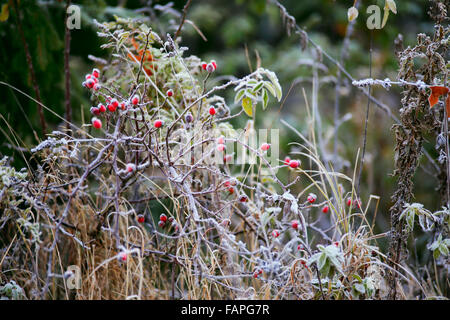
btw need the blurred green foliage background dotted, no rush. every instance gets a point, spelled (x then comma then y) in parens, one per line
(232, 28)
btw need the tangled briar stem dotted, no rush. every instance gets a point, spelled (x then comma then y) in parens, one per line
(417, 119)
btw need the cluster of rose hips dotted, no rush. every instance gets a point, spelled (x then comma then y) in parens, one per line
(356, 203)
(91, 81)
(312, 198)
(291, 163)
(257, 273)
(163, 220)
(221, 144)
(210, 67)
(229, 185)
(111, 105)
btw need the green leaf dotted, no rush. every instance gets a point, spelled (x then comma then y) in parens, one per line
(269, 87)
(258, 87)
(436, 254)
(250, 95)
(322, 261)
(410, 220)
(144, 28)
(239, 96)
(265, 100)
(443, 249)
(357, 277)
(247, 105)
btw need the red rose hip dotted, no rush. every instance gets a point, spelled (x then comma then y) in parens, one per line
(96, 123)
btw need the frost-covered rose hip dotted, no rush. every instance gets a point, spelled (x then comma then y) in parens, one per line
(221, 140)
(115, 103)
(111, 107)
(141, 218)
(287, 160)
(325, 209)
(90, 83)
(294, 164)
(311, 198)
(221, 147)
(265, 146)
(257, 272)
(101, 107)
(349, 201)
(95, 111)
(169, 93)
(161, 224)
(96, 72)
(295, 224)
(158, 124)
(135, 100)
(96, 123)
(212, 111)
(163, 217)
(275, 233)
(131, 167)
(243, 198)
(123, 256)
(210, 67)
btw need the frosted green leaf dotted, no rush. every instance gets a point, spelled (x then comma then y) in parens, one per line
(239, 96)
(265, 96)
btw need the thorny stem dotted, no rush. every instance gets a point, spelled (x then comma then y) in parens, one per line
(366, 121)
(348, 34)
(67, 70)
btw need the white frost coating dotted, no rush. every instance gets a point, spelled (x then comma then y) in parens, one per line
(387, 83)
(49, 143)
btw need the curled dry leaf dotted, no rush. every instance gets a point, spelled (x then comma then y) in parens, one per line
(436, 92)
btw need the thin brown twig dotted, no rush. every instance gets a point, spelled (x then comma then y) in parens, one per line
(67, 38)
(183, 19)
(30, 67)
